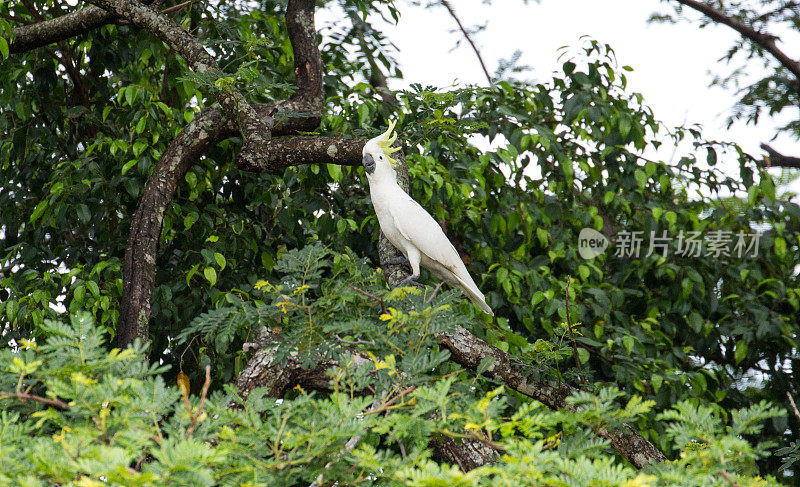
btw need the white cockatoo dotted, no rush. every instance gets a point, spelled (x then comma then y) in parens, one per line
(408, 226)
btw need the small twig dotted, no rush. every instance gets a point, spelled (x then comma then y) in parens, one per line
(402, 448)
(185, 349)
(435, 292)
(370, 295)
(24, 396)
(17, 19)
(177, 7)
(452, 12)
(725, 475)
(776, 159)
(354, 342)
(794, 407)
(476, 437)
(572, 334)
(195, 416)
(388, 403)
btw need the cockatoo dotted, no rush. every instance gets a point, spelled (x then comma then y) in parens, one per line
(407, 225)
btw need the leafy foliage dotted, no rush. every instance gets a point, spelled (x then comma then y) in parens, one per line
(120, 424)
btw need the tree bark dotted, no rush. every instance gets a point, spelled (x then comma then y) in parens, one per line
(776, 159)
(468, 350)
(40, 34)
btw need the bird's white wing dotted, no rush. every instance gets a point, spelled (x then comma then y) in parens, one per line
(419, 227)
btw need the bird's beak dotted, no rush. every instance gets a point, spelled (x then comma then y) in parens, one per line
(369, 163)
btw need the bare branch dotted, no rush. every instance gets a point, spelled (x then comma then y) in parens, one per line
(765, 40)
(776, 159)
(24, 396)
(464, 31)
(794, 407)
(50, 31)
(306, 149)
(196, 416)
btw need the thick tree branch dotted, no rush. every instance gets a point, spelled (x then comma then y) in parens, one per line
(207, 129)
(138, 276)
(468, 350)
(776, 159)
(299, 150)
(40, 34)
(468, 37)
(254, 129)
(54, 30)
(210, 127)
(766, 41)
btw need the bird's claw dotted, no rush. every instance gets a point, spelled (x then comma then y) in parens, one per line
(410, 281)
(398, 261)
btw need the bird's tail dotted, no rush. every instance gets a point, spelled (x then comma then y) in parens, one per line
(474, 294)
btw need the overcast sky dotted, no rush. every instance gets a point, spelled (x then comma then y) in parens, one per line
(672, 63)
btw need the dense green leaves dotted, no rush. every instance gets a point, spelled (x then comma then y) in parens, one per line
(119, 423)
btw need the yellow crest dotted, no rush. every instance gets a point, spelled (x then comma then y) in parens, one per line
(385, 141)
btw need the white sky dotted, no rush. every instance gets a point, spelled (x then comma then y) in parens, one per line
(672, 63)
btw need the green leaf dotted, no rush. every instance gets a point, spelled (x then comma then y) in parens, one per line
(780, 247)
(220, 260)
(141, 125)
(93, 288)
(767, 186)
(699, 383)
(190, 220)
(656, 381)
(38, 211)
(641, 178)
(671, 218)
(740, 351)
(628, 341)
(4, 47)
(128, 165)
(12, 308)
(657, 213)
(83, 213)
(211, 275)
(335, 171)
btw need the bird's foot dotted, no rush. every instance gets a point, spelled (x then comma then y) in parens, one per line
(398, 261)
(410, 281)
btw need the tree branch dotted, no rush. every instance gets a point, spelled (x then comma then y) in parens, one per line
(40, 34)
(23, 396)
(256, 131)
(464, 31)
(766, 41)
(776, 159)
(468, 350)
